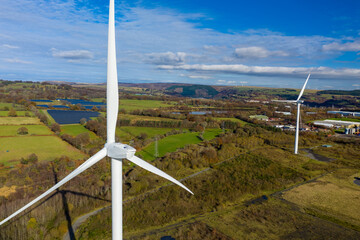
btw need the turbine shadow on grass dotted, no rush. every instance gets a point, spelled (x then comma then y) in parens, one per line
(64, 203)
(66, 207)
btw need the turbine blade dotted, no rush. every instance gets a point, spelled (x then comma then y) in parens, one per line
(151, 168)
(303, 88)
(112, 89)
(88, 163)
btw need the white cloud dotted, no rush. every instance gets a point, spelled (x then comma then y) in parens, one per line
(257, 52)
(344, 47)
(73, 54)
(196, 76)
(316, 72)
(10, 46)
(166, 58)
(225, 82)
(16, 60)
(147, 37)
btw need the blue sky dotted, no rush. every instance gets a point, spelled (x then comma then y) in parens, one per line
(253, 43)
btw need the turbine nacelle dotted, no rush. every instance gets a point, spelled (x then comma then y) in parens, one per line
(119, 151)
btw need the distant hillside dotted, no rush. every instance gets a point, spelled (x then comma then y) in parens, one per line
(193, 91)
(340, 92)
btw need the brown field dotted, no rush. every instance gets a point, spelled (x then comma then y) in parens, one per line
(334, 195)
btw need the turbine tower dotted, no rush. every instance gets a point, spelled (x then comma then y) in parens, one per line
(116, 151)
(298, 103)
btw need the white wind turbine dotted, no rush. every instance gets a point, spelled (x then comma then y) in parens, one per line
(298, 103)
(117, 151)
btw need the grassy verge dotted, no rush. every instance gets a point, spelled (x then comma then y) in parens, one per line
(50, 118)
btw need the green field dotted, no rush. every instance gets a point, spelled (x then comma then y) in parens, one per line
(3, 105)
(231, 119)
(169, 144)
(135, 118)
(76, 129)
(172, 143)
(11, 130)
(46, 148)
(130, 104)
(19, 113)
(346, 119)
(19, 121)
(128, 133)
(98, 99)
(211, 133)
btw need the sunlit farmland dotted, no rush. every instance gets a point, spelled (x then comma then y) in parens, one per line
(47, 148)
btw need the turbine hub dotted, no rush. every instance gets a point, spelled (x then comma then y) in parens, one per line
(119, 150)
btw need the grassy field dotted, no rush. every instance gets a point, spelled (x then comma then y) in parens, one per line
(273, 220)
(33, 130)
(172, 143)
(98, 99)
(169, 144)
(135, 118)
(3, 105)
(128, 133)
(19, 121)
(130, 104)
(76, 129)
(45, 147)
(211, 133)
(231, 119)
(334, 196)
(346, 119)
(19, 113)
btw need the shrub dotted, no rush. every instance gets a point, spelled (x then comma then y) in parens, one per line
(12, 113)
(55, 127)
(23, 131)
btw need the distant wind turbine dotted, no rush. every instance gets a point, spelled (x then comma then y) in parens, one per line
(116, 151)
(298, 103)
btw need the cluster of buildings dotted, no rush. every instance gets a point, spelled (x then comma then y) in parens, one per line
(345, 113)
(350, 127)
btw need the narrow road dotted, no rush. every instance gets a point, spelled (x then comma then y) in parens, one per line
(81, 220)
(315, 156)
